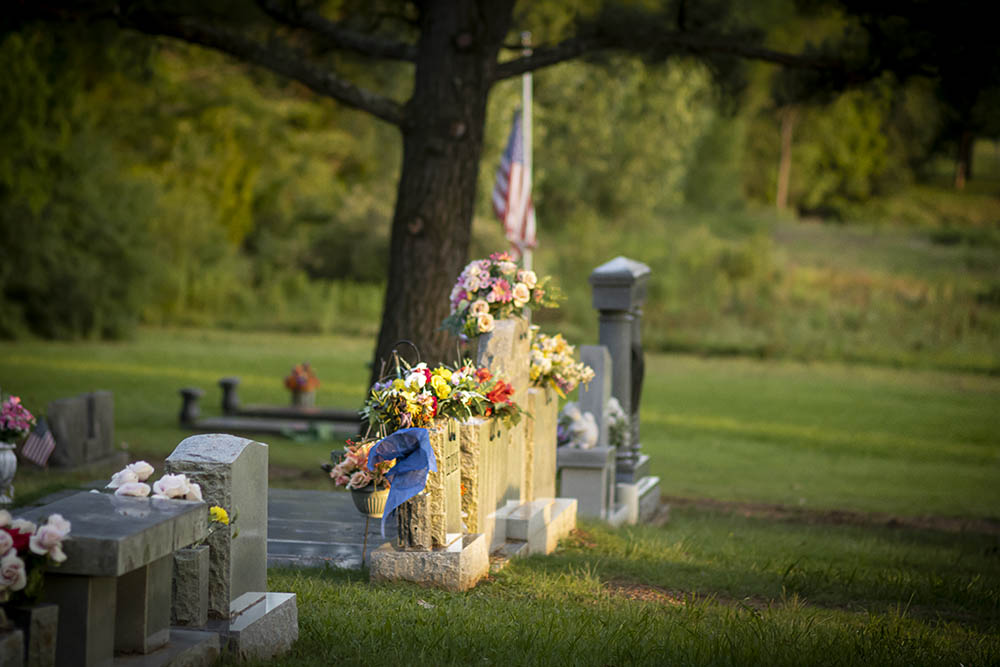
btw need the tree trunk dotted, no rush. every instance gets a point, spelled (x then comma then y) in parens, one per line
(442, 142)
(788, 117)
(963, 163)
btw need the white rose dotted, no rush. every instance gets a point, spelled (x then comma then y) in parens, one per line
(479, 307)
(171, 486)
(136, 489)
(6, 541)
(528, 278)
(472, 284)
(122, 477)
(194, 492)
(506, 267)
(23, 526)
(484, 323)
(13, 576)
(141, 469)
(522, 294)
(48, 540)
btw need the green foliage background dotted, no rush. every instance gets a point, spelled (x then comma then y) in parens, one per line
(146, 181)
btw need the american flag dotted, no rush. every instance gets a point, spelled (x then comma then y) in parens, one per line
(39, 444)
(511, 195)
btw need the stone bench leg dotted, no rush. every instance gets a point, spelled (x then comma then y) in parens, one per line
(142, 620)
(86, 634)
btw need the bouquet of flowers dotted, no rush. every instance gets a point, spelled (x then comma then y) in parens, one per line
(302, 378)
(417, 395)
(576, 429)
(553, 364)
(15, 420)
(25, 551)
(619, 432)
(491, 289)
(352, 471)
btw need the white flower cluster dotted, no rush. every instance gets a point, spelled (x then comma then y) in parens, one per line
(619, 433)
(131, 481)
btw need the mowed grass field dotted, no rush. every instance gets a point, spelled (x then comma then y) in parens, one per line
(821, 513)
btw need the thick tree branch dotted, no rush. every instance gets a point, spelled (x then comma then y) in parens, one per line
(336, 33)
(667, 42)
(275, 56)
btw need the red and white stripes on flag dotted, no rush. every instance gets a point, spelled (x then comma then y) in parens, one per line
(512, 192)
(39, 445)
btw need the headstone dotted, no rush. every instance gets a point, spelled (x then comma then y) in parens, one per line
(190, 409)
(589, 476)
(540, 461)
(189, 604)
(594, 396)
(425, 521)
(83, 428)
(232, 473)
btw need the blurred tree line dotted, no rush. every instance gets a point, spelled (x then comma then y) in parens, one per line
(150, 181)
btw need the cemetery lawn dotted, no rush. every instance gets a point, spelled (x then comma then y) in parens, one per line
(705, 588)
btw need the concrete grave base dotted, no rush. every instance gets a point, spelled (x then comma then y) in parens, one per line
(641, 499)
(186, 648)
(540, 524)
(11, 648)
(260, 626)
(457, 567)
(618, 514)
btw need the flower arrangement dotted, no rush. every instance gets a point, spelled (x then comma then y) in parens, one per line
(553, 364)
(418, 395)
(576, 429)
(131, 481)
(492, 289)
(619, 433)
(26, 550)
(15, 420)
(352, 471)
(302, 378)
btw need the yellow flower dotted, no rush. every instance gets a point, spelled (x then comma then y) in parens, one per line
(219, 515)
(442, 372)
(443, 390)
(398, 384)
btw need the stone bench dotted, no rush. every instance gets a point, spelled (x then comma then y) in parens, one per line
(114, 588)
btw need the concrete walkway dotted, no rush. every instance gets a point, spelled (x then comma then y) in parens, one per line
(318, 529)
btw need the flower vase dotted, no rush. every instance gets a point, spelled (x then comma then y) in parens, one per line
(370, 501)
(8, 468)
(303, 399)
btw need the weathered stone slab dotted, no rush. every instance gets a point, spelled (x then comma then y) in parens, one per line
(589, 476)
(232, 472)
(641, 499)
(540, 455)
(189, 606)
(457, 567)
(186, 648)
(422, 521)
(506, 352)
(39, 623)
(113, 535)
(11, 648)
(594, 397)
(262, 625)
(83, 428)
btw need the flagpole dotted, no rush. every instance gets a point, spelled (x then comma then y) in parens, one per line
(526, 253)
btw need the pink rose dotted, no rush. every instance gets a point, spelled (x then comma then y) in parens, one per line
(135, 489)
(342, 480)
(6, 541)
(194, 492)
(360, 480)
(171, 486)
(48, 538)
(13, 576)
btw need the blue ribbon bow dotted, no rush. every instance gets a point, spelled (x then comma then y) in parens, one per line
(411, 447)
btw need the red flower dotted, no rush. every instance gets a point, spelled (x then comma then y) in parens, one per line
(483, 374)
(20, 539)
(501, 392)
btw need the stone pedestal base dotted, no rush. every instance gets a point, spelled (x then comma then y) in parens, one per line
(261, 625)
(641, 500)
(630, 470)
(11, 648)
(457, 567)
(539, 524)
(39, 623)
(589, 476)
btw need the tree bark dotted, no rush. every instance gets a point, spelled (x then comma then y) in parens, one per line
(788, 117)
(442, 141)
(963, 162)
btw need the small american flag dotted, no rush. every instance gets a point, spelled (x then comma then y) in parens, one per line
(511, 195)
(39, 445)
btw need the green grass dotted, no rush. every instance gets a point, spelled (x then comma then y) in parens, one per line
(705, 589)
